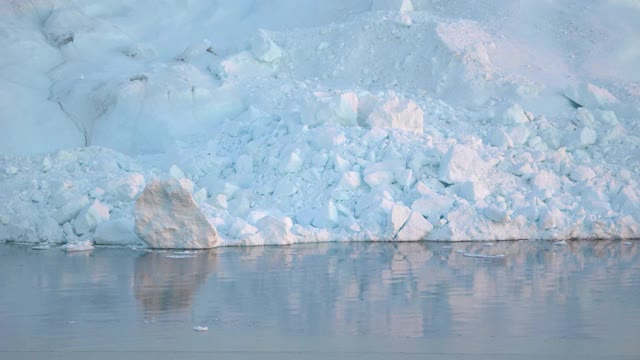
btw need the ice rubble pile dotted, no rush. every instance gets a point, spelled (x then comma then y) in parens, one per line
(389, 121)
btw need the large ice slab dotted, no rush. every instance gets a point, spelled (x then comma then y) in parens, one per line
(167, 217)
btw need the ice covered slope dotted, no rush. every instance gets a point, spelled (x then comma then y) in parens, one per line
(322, 120)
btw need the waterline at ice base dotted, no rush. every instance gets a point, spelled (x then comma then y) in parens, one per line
(203, 124)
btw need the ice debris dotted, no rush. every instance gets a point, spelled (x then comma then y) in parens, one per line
(167, 217)
(386, 120)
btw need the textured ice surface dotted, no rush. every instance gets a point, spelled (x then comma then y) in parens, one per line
(167, 217)
(320, 120)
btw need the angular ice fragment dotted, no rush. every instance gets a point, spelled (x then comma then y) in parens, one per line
(168, 217)
(415, 228)
(461, 163)
(264, 48)
(90, 217)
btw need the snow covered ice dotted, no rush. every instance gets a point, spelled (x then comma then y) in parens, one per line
(305, 121)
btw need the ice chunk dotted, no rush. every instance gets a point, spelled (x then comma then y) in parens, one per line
(126, 188)
(240, 205)
(327, 217)
(240, 228)
(483, 256)
(546, 183)
(271, 230)
(346, 111)
(627, 200)
(167, 217)
(341, 164)
(404, 20)
(399, 216)
(328, 138)
(584, 117)
(90, 217)
(582, 173)
(373, 208)
(291, 163)
(433, 205)
(472, 190)
(96, 193)
(46, 163)
(582, 138)
(350, 180)
(10, 170)
(396, 113)
(379, 178)
(244, 165)
(215, 185)
(461, 164)
(219, 201)
(496, 213)
(551, 219)
(48, 230)
(601, 96)
(201, 196)
(341, 108)
(264, 48)
(415, 228)
(382, 173)
(175, 172)
(519, 134)
(86, 245)
(116, 232)
(285, 188)
(499, 138)
(404, 178)
(70, 210)
(515, 115)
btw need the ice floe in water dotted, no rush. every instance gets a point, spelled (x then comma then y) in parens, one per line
(483, 256)
(317, 121)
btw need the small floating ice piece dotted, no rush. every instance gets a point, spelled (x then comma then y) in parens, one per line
(460, 251)
(179, 256)
(627, 243)
(560, 243)
(487, 245)
(41, 247)
(483, 256)
(78, 246)
(200, 328)
(447, 247)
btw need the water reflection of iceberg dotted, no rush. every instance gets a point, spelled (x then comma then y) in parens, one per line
(406, 289)
(419, 289)
(166, 282)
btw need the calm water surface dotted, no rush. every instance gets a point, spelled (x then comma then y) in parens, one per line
(324, 301)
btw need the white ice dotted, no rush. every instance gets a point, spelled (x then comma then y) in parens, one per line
(300, 121)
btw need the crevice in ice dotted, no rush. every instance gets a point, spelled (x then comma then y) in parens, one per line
(574, 104)
(82, 129)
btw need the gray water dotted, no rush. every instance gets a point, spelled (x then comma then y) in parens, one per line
(324, 301)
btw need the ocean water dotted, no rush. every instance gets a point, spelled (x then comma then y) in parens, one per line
(504, 300)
